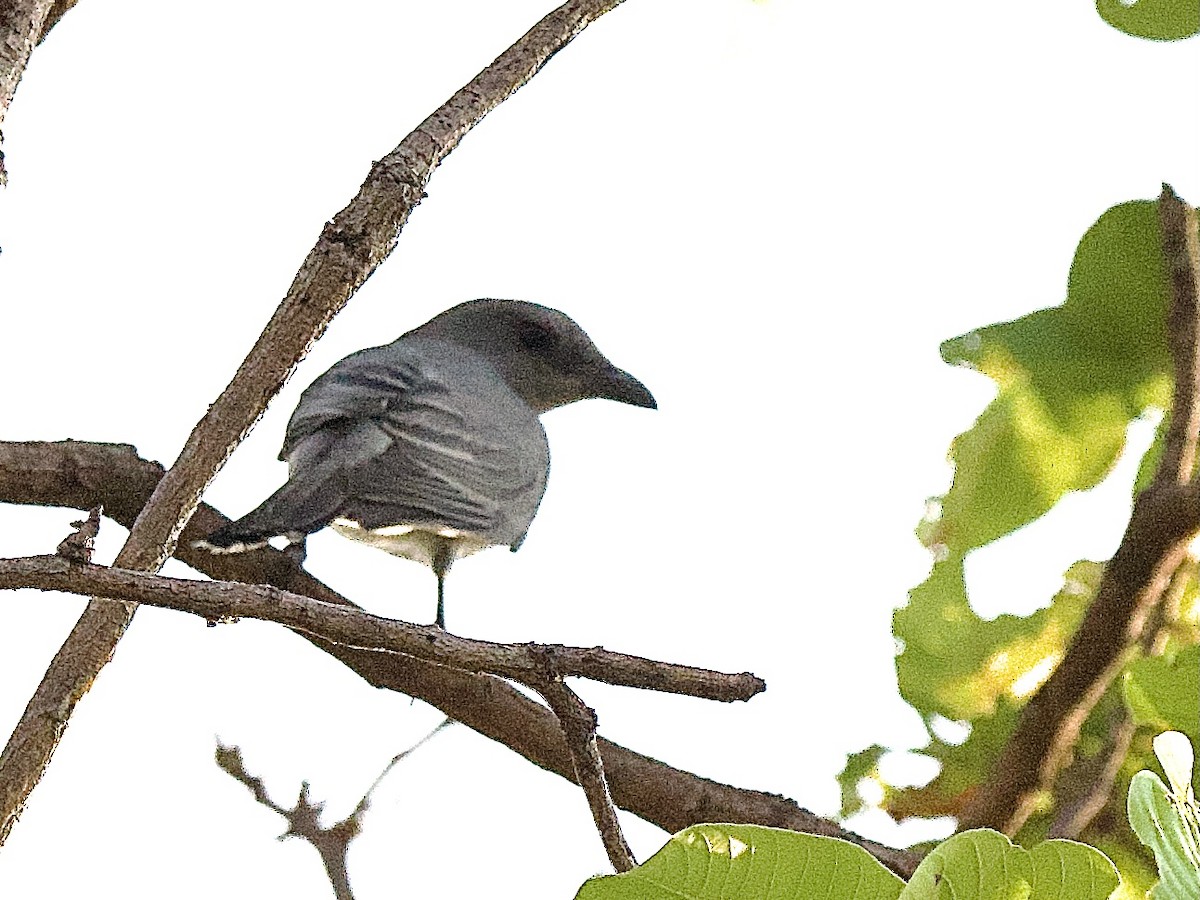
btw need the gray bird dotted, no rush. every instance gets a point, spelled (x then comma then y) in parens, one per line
(430, 447)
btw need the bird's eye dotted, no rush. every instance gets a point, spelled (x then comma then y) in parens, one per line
(537, 338)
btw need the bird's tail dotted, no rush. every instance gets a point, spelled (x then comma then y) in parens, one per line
(298, 508)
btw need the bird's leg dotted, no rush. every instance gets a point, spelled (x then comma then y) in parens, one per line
(440, 621)
(443, 556)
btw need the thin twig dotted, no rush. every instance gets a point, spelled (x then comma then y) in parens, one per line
(79, 475)
(1163, 521)
(361, 807)
(303, 819)
(1178, 222)
(578, 722)
(1085, 787)
(1091, 780)
(218, 601)
(351, 246)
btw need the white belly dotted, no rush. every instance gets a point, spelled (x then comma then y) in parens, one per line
(411, 541)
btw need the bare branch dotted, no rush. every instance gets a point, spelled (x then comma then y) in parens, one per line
(1085, 788)
(348, 250)
(1179, 239)
(304, 818)
(578, 722)
(363, 804)
(57, 11)
(21, 25)
(1164, 519)
(79, 475)
(303, 821)
(219, 601)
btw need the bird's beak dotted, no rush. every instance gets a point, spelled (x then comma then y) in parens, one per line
(619, 385)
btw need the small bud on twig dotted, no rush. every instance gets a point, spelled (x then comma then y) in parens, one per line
(78, 545)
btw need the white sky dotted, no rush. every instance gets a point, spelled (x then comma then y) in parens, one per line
(771, 214)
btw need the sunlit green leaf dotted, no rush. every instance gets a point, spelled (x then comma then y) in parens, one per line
(1071, 379)
(958, 665)
(1166, 693)
(864, 764)
(971, 866)
(985, 865)
(1160, 20)
(1164, 828)
(722, 862)
(1066, 869)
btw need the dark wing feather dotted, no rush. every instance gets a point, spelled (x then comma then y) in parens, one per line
(450, 445)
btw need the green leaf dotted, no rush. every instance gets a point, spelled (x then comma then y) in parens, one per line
(1162, 826)
(985, 865)
(1066, 870)
(1070, 380)
(1163, 693)
(750, 861)
(860, 765)
(707, 862)
(959, 666)
(973, 865)
(1158, 20)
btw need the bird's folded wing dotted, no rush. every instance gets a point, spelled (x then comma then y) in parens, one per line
(359, 387)
(419, 451)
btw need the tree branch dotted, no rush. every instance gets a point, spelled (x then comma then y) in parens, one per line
(220, 601)
(303, 819)
(22, 23)
(331, 842)
(1085, 787)
(1180, 249)
(57, 11)
(1165, 517)
(578, 723)
(81, 475)
(348, 250)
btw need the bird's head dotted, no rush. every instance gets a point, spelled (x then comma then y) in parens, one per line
(546, 358)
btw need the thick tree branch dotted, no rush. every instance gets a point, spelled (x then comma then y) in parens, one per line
(81, 475)
(1164, 519)
(22, 23)
(348, 250)
(534, 665)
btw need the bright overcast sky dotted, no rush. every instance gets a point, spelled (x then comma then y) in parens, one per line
(769, 213)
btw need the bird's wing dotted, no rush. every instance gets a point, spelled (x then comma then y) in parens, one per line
(424, 443)
(358, 388)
